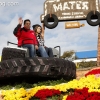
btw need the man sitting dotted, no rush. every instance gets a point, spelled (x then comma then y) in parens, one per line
(26, 37)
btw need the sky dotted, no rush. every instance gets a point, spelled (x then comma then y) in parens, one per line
(80, 39)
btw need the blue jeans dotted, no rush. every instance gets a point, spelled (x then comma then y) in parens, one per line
(49, 51)
(31, 49)
(42, 51)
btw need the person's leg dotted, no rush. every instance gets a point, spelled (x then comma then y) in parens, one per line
(42, 51)
(31, 49)
(49, 51)
(46, 48)
(38, 53)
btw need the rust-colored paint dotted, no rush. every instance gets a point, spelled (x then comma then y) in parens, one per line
(68, 10)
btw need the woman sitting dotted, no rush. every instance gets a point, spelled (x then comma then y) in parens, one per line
(41, 50)
(40, 37)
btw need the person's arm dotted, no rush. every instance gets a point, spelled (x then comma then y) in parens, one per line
(16, 31)
(43, 28)
(35, 41)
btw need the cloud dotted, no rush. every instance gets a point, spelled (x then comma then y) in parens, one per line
(80, 39)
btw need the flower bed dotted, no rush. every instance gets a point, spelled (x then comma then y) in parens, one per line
(84, 89)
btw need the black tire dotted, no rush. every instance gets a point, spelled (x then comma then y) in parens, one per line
(70, 71)
(73, 74)
(91, 16)
(11, 53)
(53, 19)
(21, 68)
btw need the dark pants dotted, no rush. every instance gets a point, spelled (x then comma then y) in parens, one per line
(49, 51)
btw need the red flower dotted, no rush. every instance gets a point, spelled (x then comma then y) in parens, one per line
(82, 94)
(93, 72)
(44, 93)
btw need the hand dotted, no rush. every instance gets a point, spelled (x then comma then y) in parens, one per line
(44, 46)
(43, 28)
(20, 21)
(36, 47)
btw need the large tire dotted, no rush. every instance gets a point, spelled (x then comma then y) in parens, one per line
(11, 53)
(37, 67)
(91, 15)
(53, 19)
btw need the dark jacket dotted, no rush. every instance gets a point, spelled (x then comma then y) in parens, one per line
(25, 36)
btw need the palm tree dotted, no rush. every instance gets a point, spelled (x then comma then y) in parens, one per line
(98, 47)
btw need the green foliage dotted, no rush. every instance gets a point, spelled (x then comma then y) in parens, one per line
(27, 85)
(76, 57)
(50, 82)
(68, 54)
(56, 97)
(85, 64)
(7, 87)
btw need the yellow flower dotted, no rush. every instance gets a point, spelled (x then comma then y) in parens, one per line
(91, 82)
(64, 97)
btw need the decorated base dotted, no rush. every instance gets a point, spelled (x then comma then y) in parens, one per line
(87, 88)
